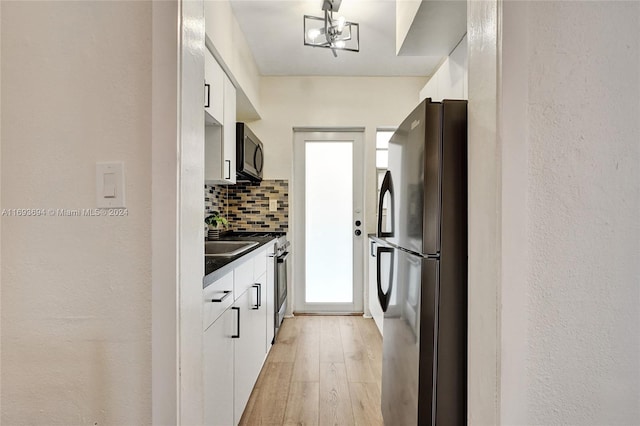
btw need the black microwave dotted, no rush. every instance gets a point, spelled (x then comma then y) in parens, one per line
(249, 154)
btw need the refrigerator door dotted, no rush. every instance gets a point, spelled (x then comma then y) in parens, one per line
(415, 170)
(410, 324)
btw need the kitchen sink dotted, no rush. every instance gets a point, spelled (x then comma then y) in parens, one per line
(227, 248)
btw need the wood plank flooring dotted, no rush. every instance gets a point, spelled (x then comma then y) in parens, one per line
(323, 370)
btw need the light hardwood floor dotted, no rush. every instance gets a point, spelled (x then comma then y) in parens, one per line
(323, 370)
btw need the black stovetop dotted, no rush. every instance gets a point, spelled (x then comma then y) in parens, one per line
(252, 234)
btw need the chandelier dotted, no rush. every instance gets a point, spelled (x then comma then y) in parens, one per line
(331, 32)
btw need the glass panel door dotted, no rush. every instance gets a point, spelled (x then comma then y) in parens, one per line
(329, 230)
(328, 221)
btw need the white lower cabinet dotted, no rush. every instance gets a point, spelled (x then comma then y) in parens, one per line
(234, 345)
(249, 348)
(374, 304)
(218, 370)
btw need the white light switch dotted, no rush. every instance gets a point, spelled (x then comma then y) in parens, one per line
(273, 205)
(110, 185)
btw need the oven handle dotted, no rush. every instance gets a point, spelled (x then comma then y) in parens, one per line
(282, 257)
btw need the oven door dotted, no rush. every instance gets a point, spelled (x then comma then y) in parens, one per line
(281, 291)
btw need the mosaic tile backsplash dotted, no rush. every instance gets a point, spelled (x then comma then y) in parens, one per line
(246, 204)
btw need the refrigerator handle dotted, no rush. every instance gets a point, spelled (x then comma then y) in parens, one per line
(383, 297)
(387, 186)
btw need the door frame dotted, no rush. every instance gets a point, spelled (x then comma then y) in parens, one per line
(300, 134)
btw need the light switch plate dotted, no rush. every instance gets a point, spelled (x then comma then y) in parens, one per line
(110, 185)
(273, 205)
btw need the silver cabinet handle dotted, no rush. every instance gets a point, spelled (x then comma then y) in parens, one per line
(227, 293)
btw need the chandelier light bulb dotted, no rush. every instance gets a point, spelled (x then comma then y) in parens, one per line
(313, 33)
(331, 31)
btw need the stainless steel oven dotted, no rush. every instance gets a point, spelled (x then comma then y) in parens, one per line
(280, 280)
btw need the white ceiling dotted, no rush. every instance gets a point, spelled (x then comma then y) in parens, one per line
(273, 29)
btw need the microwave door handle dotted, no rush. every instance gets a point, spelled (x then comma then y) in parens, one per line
(257, 166)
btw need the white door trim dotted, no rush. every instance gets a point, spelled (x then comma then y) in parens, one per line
(355, 134)
(177, 212)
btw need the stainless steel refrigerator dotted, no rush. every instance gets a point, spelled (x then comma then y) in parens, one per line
(422, 268)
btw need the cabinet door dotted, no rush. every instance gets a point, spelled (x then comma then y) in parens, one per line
(218, 359)
(229, 130)
(249, 347)
(218, 297)
(213, 90)
(220, 140)
(374, 304)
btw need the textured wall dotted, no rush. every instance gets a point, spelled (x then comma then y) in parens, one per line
(580, 361)
(76, 313)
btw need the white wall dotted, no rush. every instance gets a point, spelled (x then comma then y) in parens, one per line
(368, 102)
(571, 316)
(76, 312)
(450, 79)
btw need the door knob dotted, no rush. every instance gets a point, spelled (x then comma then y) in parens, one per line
(358, 232)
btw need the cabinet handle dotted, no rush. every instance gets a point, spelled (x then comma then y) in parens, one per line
(258, 301)
(237, 336)
(228, 163)
(227, 293)
(373, 254)
(259, 294)
(207, 87)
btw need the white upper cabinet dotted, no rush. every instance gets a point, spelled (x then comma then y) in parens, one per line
(220, 121)
(213, 90)
(229, 136)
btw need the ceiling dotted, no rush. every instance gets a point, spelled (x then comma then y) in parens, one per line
(273, 29)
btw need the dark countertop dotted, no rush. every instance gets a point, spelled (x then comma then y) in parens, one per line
(216, 267)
